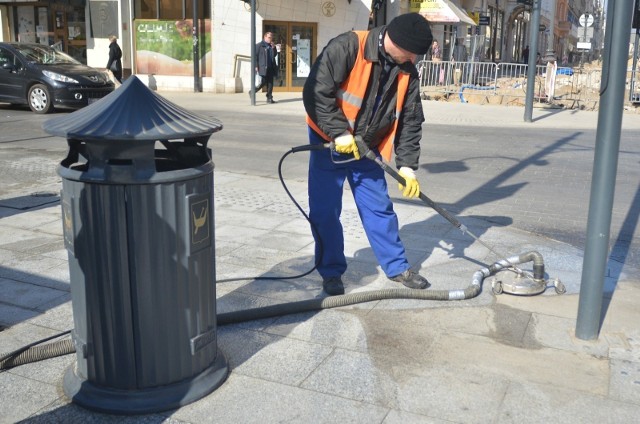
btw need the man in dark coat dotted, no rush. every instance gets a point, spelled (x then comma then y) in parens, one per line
(266, 64)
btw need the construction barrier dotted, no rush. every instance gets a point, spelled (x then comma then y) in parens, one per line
(506, 83)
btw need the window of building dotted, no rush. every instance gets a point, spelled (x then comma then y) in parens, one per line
(203, 9)
(146, 9)
(519, 36)
(495, 48)
(169, 9)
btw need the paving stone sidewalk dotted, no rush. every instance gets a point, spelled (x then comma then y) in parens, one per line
(488, 359)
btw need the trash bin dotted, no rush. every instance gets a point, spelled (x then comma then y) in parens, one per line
(137, 209)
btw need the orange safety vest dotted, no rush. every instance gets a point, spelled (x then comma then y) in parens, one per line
(351, 95)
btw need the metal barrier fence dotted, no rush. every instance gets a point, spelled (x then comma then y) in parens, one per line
(486, 78)
(507, 83)
(445, 77)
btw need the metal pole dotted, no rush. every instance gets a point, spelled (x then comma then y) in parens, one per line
(612, 88)
(550, 55)
(196, 53)
(473, 44)
(252, 45)
(453, 42)
(532, 65)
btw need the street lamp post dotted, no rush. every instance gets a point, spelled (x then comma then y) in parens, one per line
(550, 55)
(533, 54)
(253, 52)
(605, 168)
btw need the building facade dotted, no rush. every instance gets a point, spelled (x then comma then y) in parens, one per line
(160, 42)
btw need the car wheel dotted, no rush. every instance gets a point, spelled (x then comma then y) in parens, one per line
(39, 99)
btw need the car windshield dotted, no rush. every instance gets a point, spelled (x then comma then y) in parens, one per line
(45, 55)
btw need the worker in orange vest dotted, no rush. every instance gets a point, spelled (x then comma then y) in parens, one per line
(365, 83)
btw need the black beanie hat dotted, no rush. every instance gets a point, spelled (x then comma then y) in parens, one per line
(411, 32)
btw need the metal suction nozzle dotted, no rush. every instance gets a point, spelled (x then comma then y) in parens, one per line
(523, 285)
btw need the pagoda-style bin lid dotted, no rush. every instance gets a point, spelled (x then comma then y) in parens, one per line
(117, 138)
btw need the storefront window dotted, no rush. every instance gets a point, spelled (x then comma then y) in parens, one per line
(165, 47)
(163, 31)
(76, 25)
(146, 9)
(203, 9)
(169, 9)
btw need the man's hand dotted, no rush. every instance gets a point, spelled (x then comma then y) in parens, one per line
(412, 188)
(346, 144)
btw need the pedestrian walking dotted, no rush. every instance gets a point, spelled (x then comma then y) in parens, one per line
(459, 58)
(266, 67)
(436, 59)
(115, 58)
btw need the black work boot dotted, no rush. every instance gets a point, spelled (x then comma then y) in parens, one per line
(411, 279)
(333, 286)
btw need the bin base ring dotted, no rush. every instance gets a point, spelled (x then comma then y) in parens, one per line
(144, 401)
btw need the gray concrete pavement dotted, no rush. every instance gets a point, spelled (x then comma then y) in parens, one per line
(489, 359)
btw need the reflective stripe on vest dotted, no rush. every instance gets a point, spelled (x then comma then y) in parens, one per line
(386, 146)
(350, 97)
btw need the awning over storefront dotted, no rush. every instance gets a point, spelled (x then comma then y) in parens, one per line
(441, 11)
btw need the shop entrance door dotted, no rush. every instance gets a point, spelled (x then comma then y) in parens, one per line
(59, 25)
(296, 46)
(69, 31)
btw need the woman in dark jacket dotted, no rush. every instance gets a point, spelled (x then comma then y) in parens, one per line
(115, 56)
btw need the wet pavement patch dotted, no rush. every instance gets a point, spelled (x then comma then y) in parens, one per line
(510, 327)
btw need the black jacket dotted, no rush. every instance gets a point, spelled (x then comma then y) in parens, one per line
(331, 69)
(265, 64)
(115, 54)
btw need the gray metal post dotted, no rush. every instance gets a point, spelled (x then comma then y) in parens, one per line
(612, 88)
(196, 49)
(550, 54)
(531, 67)
(253, 52)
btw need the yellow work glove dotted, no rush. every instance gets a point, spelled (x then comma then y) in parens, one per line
(346, 144)
(412, 188)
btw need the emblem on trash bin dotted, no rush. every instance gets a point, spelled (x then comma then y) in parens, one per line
(67, 224)
(199, 218)
(199, 221)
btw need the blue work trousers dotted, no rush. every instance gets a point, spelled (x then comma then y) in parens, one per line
(369, 188)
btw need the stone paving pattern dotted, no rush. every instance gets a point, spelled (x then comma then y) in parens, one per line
(490, 359)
